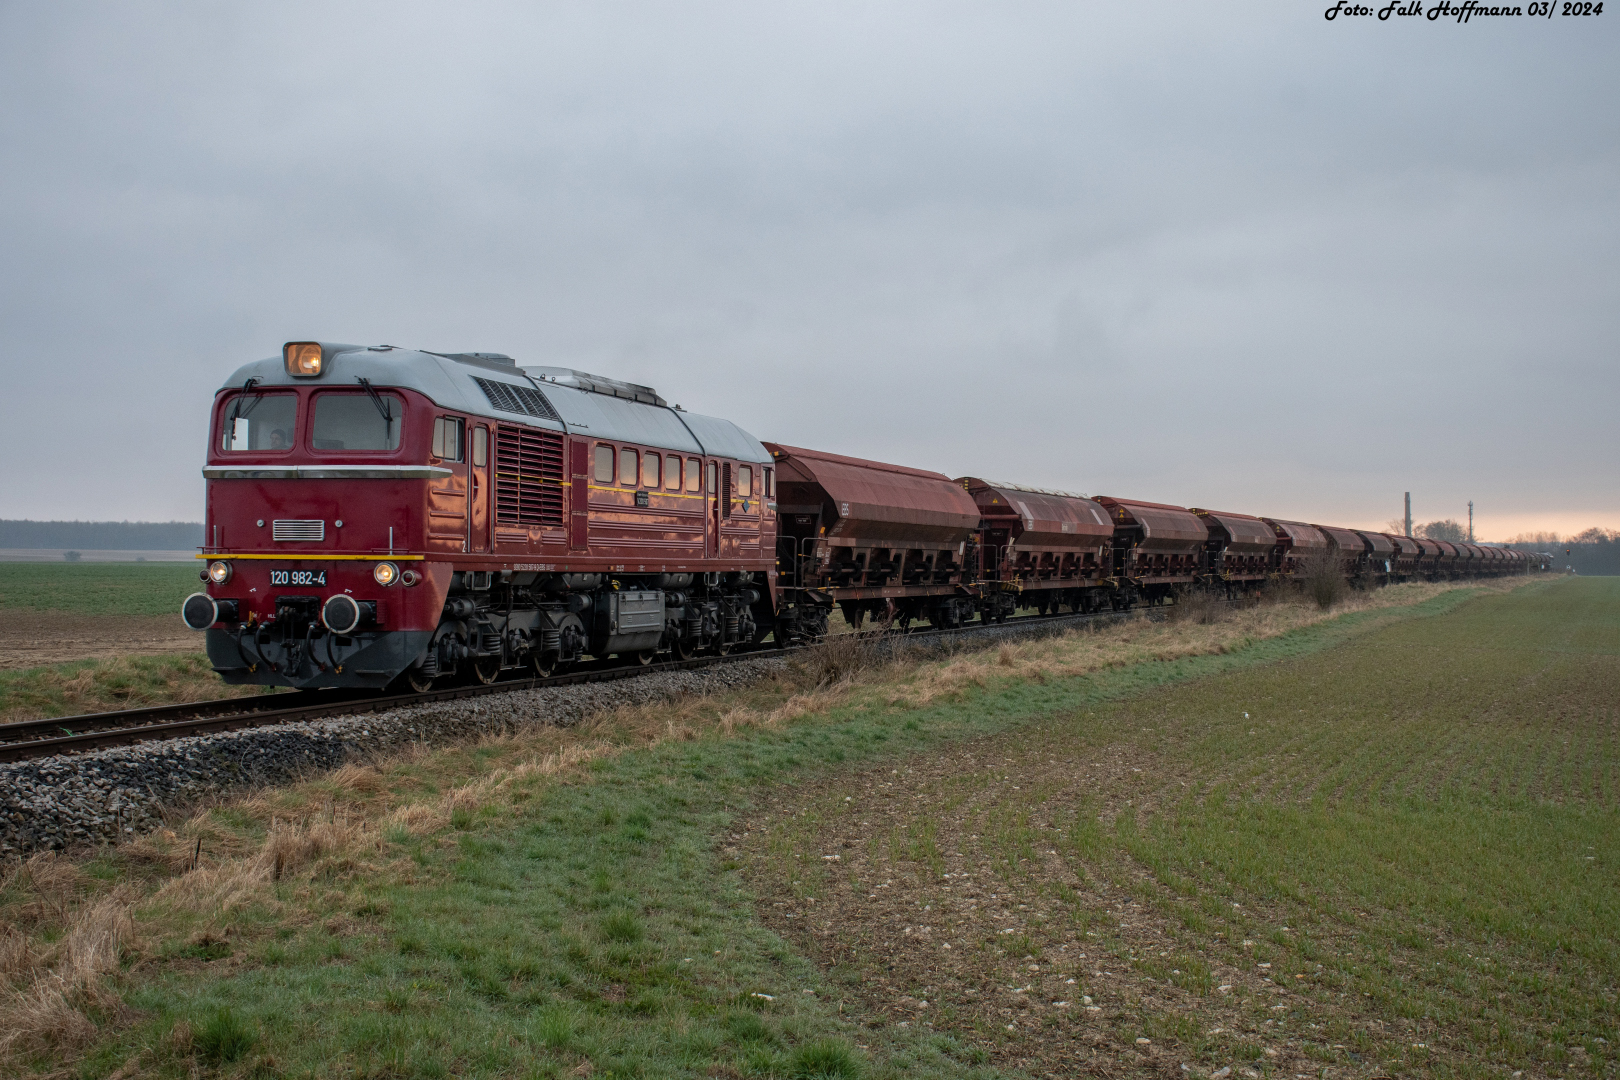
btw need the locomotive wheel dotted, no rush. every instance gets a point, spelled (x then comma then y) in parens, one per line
(544, 664)
(683, 649)
(417, 681)
(487, 668)
(645, 656)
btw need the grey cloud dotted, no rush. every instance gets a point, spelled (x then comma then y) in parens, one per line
(1223, 254)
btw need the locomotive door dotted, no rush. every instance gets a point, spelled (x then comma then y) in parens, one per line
(579, 494)
(711, 531)
(478, 518)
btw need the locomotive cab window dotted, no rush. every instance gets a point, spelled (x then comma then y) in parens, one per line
(770, 483)
(629, 466)
(480, 447)
(713, 486)
(694, 473)
(448, 438)
(649, 471)
(603, 472)
(745, 481)
(357, 422)
(259, 422)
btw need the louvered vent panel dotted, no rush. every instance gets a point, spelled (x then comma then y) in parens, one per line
(528, 476)
(298, 530)
(519, 399)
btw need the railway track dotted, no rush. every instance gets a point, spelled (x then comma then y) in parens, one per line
(93, 731)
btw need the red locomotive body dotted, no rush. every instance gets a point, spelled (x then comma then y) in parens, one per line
(381, 512)
(1041, 549)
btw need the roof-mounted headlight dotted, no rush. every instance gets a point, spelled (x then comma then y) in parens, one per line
(303, 358)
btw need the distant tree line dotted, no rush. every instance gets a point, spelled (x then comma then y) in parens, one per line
(1595, 551)
(102, 535)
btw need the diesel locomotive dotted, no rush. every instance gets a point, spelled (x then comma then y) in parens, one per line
(379, 516)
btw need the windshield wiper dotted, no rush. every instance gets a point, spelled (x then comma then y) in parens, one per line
(382, 407)
(237, 411)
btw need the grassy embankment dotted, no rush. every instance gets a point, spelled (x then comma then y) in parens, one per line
(574, 901)
(119, 597)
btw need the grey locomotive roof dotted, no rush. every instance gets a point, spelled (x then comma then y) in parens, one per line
(589, 405)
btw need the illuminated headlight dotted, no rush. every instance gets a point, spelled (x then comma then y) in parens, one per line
(385, 573)
(303, 358)
(219, 572)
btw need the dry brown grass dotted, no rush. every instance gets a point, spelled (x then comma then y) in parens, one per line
(50, 990)
(272, 850)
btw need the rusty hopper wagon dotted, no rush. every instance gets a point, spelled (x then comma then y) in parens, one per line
(1041, 549)
(1158, 549)
(875, 539)
(1241, 552)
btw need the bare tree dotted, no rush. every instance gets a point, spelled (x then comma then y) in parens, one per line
(1444, 530)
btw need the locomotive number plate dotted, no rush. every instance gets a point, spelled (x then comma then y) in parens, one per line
(298, 578)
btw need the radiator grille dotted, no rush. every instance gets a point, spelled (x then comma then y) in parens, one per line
(299, 530)
(519, 399)
(528, 477)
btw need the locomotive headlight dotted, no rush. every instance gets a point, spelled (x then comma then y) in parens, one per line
(303, 358)
(385, 573)
(219, 572)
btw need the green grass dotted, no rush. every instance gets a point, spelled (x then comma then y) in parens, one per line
(601, 919)
(152, 588)
(126, 682)
(1416, 831)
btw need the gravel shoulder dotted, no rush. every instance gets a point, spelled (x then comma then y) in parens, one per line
(109, 795)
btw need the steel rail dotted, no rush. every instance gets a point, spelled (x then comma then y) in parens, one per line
(27, 739)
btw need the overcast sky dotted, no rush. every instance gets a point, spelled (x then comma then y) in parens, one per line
(1220, 254)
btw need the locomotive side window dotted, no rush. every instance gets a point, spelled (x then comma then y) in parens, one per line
(604, 464)
(694, 473)
(745, 481)
(649, 471)
(357, 422)
(628, 467)
(672, 472)
(448, 438)
(259, 422)
(480, 446)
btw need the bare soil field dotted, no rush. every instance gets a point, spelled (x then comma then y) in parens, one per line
(37, 638)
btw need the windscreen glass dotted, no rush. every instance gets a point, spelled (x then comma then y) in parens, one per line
(357, 422)
(264, 422)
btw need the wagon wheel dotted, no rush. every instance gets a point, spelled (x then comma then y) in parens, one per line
(487, 668)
